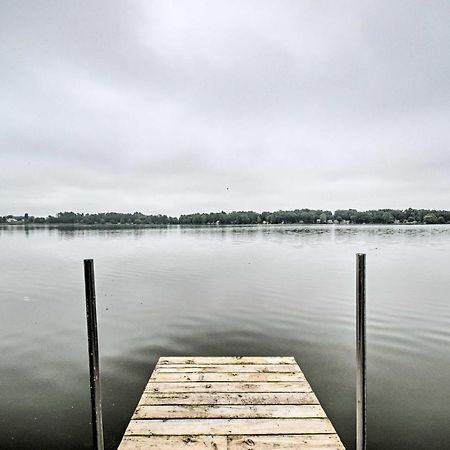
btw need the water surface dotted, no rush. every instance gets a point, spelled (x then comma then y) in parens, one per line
(267, 290)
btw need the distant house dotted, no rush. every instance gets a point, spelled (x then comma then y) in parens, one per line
(11, 220)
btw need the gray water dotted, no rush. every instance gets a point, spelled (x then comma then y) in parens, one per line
(274, 290)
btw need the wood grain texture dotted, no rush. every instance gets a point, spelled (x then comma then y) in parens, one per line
(229, 376)
(174, 443)
(198, 368)
(228, 426)
(228, 411)
(229, 398)
(298, 386)
(227, 360)
(285, 442)
(229, 403)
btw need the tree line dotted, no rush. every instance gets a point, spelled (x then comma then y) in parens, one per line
(296, 216)
(108, 218)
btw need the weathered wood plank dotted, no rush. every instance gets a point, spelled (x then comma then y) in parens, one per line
(228, 411)
(258, 368)
(298, 386)
(229, 403)
(231, 377)
(173, 443)
(286, 442)
(228, 426)
(227, 360)
(229, 398)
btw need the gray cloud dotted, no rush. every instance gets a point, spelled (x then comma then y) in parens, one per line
(160, 106)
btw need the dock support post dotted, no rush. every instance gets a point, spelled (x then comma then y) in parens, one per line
(361, 374)
(94, 368)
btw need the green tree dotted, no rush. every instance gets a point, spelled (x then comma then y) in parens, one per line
(430, 218)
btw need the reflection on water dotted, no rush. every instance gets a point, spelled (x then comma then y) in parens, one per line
(260, 290)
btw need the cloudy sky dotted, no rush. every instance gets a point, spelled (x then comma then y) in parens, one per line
(183, 106)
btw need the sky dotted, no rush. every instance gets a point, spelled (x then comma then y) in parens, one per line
(187, 106)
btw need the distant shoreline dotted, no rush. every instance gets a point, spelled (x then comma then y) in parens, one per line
(142, 226)
(305, 216)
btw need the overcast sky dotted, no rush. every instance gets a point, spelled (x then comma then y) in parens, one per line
(182, 106)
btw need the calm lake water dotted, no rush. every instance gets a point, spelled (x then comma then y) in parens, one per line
(273, 290)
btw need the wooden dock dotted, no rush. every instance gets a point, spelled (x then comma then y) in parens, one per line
(229, 403)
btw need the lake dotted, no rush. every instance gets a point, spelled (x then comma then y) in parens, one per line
(212, 291)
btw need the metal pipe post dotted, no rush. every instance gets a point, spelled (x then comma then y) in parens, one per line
(361, 374)
(94, 367)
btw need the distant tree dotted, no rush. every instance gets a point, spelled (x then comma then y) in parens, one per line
(388, 217)
(430, 218)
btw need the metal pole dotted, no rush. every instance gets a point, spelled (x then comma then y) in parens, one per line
(361, 373)
(94, 368)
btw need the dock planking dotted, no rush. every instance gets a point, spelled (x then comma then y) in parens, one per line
(229, 403)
